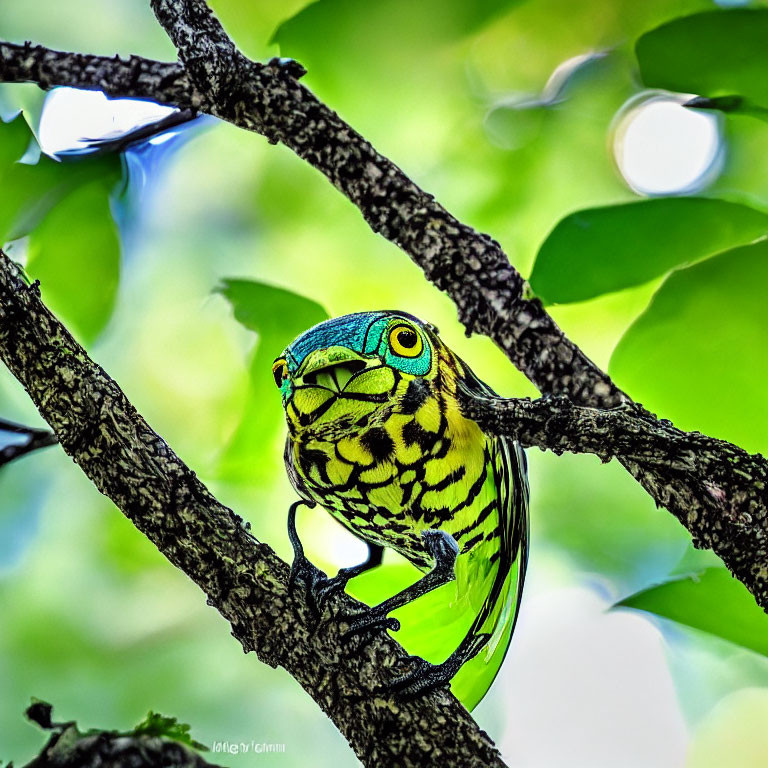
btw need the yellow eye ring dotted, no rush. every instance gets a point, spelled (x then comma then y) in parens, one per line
(279, 372)
(405, 341)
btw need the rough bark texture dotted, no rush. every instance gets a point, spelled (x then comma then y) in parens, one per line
(242, 577)
(133, 76)
(68, 747)
(722, 490)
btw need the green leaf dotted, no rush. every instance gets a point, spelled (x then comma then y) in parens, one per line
(697, 355)
(14, 139)
(397, 49)
(599, 250)
(712, 601)
(75, 253)
(164, 727)
(426, 23)
(716, 53)
(29, 191)
(277, 316)
(271, 311)
(251, 23)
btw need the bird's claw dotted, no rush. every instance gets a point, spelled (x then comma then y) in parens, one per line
(319, 588)
(422, 678)
(305, 573)
(369, 622)
(364, 626)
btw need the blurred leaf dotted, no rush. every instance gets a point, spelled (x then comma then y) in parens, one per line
(251, 23)
(163, 727)
(513, 123)
(604, 522)
(277, 316)
(270, 311)
(424, 24)
(697, 355)
(75, 253)
(712, 601)
(29, 191)
(599, 250)
(15, 135)
(399, 50)
(716, 53)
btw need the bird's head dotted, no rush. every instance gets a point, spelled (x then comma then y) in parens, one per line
(352, 372)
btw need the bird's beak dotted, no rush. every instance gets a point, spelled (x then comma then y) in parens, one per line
(330, 368)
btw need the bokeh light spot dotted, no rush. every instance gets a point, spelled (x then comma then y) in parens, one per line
(664, 148)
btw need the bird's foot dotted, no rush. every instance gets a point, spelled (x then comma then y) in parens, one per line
(424, 676)
(308, 576)
(320, 589)
(369, 622)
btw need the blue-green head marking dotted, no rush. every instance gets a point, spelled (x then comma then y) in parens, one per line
(363, 357)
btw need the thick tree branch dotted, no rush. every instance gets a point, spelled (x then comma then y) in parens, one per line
(243, 578)
(726, 488)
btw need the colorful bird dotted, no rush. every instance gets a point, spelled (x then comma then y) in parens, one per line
(376, 436)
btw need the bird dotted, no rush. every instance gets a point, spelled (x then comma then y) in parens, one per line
(376, 437)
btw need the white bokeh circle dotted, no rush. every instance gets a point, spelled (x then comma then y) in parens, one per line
(664, 148)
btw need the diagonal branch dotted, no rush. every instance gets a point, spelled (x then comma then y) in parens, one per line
(242, 577)
(728, 483)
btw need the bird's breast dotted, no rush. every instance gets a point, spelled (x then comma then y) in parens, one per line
(389, 482)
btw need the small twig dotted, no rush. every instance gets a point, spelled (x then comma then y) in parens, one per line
(36, 438)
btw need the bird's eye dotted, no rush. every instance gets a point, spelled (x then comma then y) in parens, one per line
(405, 341)
(280, 372)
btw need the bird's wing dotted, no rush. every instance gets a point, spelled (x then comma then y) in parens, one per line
(500, 607)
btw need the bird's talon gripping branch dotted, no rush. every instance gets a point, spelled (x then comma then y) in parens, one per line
(425, 677)
(302, 570)
(444, 550)
(320, 589)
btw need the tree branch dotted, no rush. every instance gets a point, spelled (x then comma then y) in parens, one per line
(242, 577)
(135, 77)
(726, 487)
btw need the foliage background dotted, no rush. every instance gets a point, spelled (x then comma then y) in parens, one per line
(144, 259)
